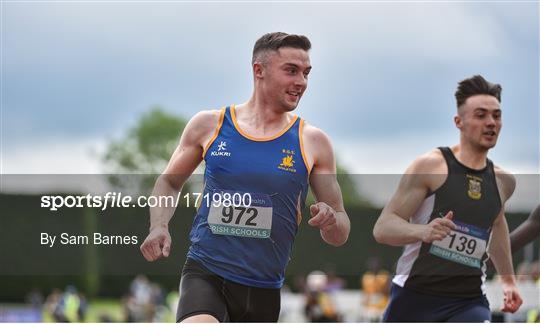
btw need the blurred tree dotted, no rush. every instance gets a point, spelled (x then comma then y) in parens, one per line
(134, 161)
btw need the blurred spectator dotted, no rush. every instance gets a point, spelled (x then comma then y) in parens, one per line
(69, 305)
(83, 306)
(51, 304)
(145, 302)
(375, 289)
(140, 289)
(319, 305)
(34, 298)
(334, 283)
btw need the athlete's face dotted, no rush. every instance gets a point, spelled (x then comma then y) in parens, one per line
(479, 120)
(284, 77)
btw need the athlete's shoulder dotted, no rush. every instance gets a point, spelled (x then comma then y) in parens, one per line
(207, 118)
(506, 181)
(315, 135)
(318, 149)
(205, 121)
(431, 162)
(202, 126)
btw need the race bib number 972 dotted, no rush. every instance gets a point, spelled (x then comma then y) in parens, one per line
(245, 220)
(466, 245)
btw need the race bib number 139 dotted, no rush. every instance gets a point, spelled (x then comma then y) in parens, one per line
(245, 218)
(466, 245)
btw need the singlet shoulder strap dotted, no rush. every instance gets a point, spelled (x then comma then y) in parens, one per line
(216, 131)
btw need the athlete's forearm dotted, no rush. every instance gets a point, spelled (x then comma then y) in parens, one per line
(393, 230)
(499, 250)
(524, 234)
(161, 215)
(339, 233)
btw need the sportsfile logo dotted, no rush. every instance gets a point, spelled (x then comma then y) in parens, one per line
(222, 150)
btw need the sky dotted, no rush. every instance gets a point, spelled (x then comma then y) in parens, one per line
(77, 74)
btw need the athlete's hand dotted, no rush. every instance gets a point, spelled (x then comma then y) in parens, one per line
(512, 300)
(323, 216)
(157, 244)
(438, 228)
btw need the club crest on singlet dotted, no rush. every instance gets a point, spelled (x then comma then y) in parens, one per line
(475, 187)
(287, 161)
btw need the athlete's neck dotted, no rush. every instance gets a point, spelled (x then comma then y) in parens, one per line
(469, 156)
(261, 116)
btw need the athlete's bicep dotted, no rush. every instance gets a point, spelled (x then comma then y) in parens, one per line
(323, 180)
(408, 197)
(188, 154)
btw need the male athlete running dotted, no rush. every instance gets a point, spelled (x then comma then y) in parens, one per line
(259, 158)
(447, 206)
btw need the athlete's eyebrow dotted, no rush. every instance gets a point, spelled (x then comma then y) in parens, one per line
(482, 109)
(296, 66)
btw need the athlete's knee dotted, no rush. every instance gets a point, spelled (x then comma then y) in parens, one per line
(200, 318)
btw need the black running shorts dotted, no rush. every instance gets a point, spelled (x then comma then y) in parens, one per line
(203, 292)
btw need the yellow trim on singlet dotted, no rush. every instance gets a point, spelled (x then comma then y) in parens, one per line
(302, 150)
(298, 210)
(216, 132)
(260, 139)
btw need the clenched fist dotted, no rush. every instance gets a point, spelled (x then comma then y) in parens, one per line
(322, 216)
(157, 244)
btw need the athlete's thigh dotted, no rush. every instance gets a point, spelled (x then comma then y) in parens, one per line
(252, 304)
(408, 306)
(200, 294)
(475, 312)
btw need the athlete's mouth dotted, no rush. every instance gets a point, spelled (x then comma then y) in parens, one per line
(490, 133)
(294, 93)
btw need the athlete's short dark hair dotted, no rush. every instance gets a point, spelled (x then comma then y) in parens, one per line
(476, 85)
(274, 41)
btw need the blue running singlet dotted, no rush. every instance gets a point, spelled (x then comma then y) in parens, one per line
(254, 193)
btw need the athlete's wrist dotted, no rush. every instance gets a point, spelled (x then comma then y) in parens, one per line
(159, 225)
(418, 231)
(509, 280)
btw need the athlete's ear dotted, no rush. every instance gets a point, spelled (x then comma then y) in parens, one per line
(458, 121)
(258, 70)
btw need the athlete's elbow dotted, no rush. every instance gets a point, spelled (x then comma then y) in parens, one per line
(378, 234)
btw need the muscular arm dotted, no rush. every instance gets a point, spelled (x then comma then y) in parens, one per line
(393, 226)
(328, 214)
(499, 245)
(183, 162)
(527, 231)
(499, 249)
(186, 157)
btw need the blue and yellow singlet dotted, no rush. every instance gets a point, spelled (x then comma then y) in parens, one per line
(255, 190)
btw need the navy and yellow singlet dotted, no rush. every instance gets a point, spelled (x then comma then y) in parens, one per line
(255, 190)
(456, 265)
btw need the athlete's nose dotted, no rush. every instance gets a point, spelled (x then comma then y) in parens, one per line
(301, 81)
(491, 121)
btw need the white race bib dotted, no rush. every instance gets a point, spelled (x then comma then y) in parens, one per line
(246, 217)
(466, 245)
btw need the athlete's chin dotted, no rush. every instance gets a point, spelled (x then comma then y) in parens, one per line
(290, 106)
(488, 145)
